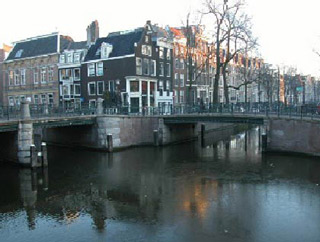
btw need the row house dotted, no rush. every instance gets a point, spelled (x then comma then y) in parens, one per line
(3, 55)
(70, 73)
(193, 71)
(131, 68)
(31, 70)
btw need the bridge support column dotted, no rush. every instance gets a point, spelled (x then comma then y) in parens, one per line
(25, 135)
(99, 106)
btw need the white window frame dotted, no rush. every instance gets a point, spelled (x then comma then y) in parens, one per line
(181, 80)
(161, 53)
(11, 102)
(161, 69)
(74, 74)
(50, 73)
(11, 77)
(168, 67)
(75, 88)
(76, 57)
(103, 88)
(145, 66)
(153, 69)
(62, 58)
(16, 78)
(69, 58)
(92, 94)
(43, 75)
(138, 66)
(99, 67)
(36, 97)
(23, 77)
(91, 66)
(35, 76)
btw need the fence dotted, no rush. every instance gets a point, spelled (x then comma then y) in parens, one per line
(40, 111)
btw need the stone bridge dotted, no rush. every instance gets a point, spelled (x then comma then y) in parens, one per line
(23, 140)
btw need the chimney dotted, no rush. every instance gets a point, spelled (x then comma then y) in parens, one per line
(92, 33)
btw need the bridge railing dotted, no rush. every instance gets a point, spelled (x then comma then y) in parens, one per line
(42, 111)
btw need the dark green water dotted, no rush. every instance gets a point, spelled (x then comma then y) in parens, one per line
(224, 191)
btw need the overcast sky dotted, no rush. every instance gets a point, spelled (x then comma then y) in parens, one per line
(288, 30)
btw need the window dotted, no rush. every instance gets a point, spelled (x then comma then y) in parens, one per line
(77, 58)
(106, 50)
(146, 66)
(111, 86)
(92, 103)
(181, 64)
(153, 68)
(62, 59)
(77, 90)
(19, 53)
(161, 88)
(177, 63)
(181, 96)
(100, 88)
(65, 74)
(23, 77)
(66, 90)
(168, 86)
(100, 69)
(11, 75)
(11, 101)
(181, 80)
(76, 74)
(50, 74)
(161, 53)
(134, 86)
(91, 69)
(146, 38)
(16, 78)
(176, 78)
(168, 54)
(92, 88)
(161, 69)
(168, 67)
(36, 99)
(69, 58)
(17, 100)
(35, 76)
(43, 99)
(138, 66)
(50, 98)
(43, 76)
(144, 49)
(149, 50)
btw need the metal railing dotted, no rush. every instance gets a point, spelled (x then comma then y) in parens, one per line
(42, 111)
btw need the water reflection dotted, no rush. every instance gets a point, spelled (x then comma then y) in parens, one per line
(212, 189)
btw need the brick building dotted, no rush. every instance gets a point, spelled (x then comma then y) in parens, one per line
(31, 70)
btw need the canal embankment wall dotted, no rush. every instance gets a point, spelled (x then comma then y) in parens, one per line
(293, 136)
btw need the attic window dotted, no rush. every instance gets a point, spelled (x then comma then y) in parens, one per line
(98, 51)
(19, 53)
(106, 50)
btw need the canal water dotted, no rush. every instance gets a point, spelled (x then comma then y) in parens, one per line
(214, 191)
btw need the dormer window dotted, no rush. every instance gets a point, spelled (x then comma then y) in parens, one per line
(106, 50)
(62, 59)
(19, 53)
(69, 58)
(77, 58)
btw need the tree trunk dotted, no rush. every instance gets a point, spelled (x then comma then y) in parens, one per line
(225, 85)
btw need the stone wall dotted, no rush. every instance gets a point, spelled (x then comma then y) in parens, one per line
(300, 136)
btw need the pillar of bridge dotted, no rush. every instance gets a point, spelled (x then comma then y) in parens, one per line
(99, 106)
(25, 135)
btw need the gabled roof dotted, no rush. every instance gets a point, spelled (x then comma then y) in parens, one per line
(43, 45)
(122, 43)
